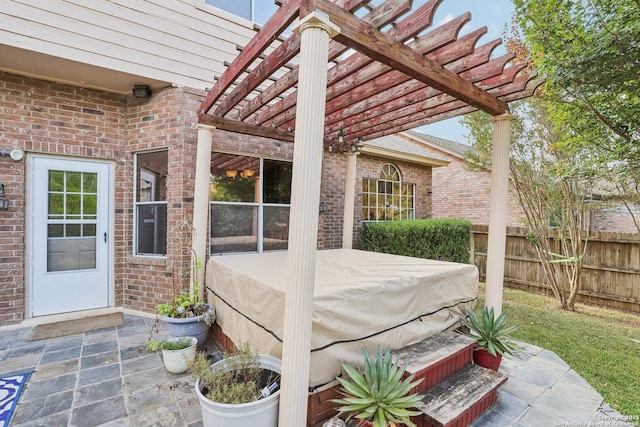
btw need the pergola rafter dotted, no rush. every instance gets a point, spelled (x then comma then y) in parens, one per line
(399, 72)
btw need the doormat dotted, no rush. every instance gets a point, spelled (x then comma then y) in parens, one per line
(76, 326)
(10, 389)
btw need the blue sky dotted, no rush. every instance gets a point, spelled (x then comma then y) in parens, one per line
(493, 14)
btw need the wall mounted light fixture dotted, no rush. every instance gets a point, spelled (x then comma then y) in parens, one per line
(141, 91)
(16, 154)
(4, 202)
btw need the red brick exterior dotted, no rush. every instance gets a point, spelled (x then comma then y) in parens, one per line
(459, 192)
(61, 120)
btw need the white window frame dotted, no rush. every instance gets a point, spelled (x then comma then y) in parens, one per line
(152, 177)
(260, 205)
(387, 172)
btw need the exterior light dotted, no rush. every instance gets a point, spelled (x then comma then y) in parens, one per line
(16, 154)
(231, 173)
(141, 91)
(4, 202)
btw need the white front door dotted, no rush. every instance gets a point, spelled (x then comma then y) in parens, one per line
(69, 235)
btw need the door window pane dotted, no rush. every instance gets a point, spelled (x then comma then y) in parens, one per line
(72, 208)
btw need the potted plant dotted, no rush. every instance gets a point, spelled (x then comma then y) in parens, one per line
(186, 314)
(177, 352)
(492, 334)
(241, 390)
(379, 396)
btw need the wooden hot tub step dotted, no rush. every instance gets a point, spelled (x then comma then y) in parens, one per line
(461, 398)
(436, 358)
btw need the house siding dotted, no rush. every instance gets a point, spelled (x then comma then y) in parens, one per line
(182, 42)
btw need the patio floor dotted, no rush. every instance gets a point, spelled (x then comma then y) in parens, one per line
(107, 378)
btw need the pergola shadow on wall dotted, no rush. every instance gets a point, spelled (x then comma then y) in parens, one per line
(362, 71)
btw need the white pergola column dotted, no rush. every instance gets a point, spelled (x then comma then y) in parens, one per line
(349, 201)
(498, 209)
(201, 199)
(315, 32)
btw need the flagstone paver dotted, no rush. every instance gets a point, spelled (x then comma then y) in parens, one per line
(108, 378)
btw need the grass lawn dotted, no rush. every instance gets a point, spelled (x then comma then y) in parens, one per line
(602, 345)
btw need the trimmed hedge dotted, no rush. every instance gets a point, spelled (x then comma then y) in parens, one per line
(441, 239)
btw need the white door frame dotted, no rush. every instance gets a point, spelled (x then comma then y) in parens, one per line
(30, 222)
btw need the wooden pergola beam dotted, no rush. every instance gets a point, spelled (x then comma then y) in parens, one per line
(365, 38)
(420, 118)
(398, 112)
(279, 21)
(379, 16)
(412, 92)
(244, 128)
(366, 79)
(489, 75)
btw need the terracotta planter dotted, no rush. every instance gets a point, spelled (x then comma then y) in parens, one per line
(482, 357)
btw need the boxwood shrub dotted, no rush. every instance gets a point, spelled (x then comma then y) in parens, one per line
(441, 239)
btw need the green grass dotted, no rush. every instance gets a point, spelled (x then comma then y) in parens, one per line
(596, 342)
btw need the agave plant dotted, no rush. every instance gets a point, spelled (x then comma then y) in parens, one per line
(379, 394)
(492, 333)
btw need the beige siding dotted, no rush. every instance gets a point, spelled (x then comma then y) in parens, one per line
(182, 42)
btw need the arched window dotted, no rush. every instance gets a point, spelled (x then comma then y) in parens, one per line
(387, 198)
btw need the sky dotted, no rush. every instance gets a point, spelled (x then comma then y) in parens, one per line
(493, 14)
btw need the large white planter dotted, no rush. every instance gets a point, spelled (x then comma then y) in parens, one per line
(261, 413)
(176, 361)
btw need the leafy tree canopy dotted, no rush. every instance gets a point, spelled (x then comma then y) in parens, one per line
(589, 52)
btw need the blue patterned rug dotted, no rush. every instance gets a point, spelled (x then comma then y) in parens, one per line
(10, 388)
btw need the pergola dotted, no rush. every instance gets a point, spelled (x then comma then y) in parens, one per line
(365, 72)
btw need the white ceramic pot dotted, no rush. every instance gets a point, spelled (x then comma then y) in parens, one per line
(176, 361)
(261, 413)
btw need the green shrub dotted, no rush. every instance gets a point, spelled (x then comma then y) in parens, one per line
(441, 239)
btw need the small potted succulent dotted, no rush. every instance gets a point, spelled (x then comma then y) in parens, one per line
(378, 396)
(492, 334)
(177, 352)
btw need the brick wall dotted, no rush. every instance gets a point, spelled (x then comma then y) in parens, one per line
(462, 193)
(46, 118)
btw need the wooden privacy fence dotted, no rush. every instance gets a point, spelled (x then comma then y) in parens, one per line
(611, 266)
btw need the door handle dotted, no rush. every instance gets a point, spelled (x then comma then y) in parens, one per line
(105, 237)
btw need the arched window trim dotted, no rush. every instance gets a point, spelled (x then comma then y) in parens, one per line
(387, 198)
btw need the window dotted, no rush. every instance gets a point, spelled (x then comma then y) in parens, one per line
(151, 203)
(258, 11)
(387, 198)
(250, 200)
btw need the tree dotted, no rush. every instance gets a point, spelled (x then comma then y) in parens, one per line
(589, 53)
(553, 189)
